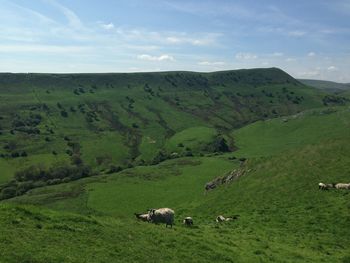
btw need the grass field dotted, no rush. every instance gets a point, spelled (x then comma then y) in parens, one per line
(283, 216)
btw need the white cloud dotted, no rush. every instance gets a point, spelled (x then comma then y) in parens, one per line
(332, 68)
(311, 54)
(208, 63)
(164, 57)
(246, 56)
(165, 37)
(73, 20)
(290, 59)
(202, 40)
(107, 26)
(43, 49)
(296, 33)
(277, 54)
(308, 74)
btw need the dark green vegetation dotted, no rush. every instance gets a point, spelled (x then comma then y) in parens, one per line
(187, 138)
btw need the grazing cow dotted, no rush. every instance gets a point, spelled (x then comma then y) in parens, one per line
(342, 186)
(188, 221)
(162, 215)
(142, 217)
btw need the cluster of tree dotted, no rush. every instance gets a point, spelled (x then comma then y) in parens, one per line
(296, 99)
(38, 176)
(91, 116)
(171, 80)
(27, 124)
(219, 144)
(79, 91)
(148, 89)
(131, 102)
(163, 156)
(114, 169)
(13, 154)
(334, 100)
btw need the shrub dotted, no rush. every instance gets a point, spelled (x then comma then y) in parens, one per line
(64, 114)
(14, 154)
(114, 169)
(8, 192)
(219, 144)
(76, 160)
(160, 157)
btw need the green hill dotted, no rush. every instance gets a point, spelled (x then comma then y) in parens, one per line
(326, 85)
(283, 215)
(115, 121)
(186, 137)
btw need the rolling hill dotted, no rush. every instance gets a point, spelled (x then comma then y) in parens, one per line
(280, 132)
(326, 85)
(114, 121)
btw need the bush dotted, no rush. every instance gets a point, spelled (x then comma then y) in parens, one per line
(14, 154)
(39, 176)
(160, 157)
(188, 154)
(242, 159)
(54, 181)
(64, 114)
(219, 144)
(76, 160)
(8, 192)
(114, 169)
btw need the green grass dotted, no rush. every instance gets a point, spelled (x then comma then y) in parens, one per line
(283, 215)
(194, 138)
(119, 119)
(270, 137)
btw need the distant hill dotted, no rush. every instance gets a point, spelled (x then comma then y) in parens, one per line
(326, 85)
(122, 120)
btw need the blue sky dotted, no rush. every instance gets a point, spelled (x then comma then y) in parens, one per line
(308, 39)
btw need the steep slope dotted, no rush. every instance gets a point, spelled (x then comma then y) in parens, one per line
(283, 215)
(114, 121)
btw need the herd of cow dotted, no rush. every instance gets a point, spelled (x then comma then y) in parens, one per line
(166, 216)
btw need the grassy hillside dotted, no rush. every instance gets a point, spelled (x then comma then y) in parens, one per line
(115, 121)
(283, 215)
(326, 85)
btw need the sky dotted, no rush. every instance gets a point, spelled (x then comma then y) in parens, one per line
(307, 39)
